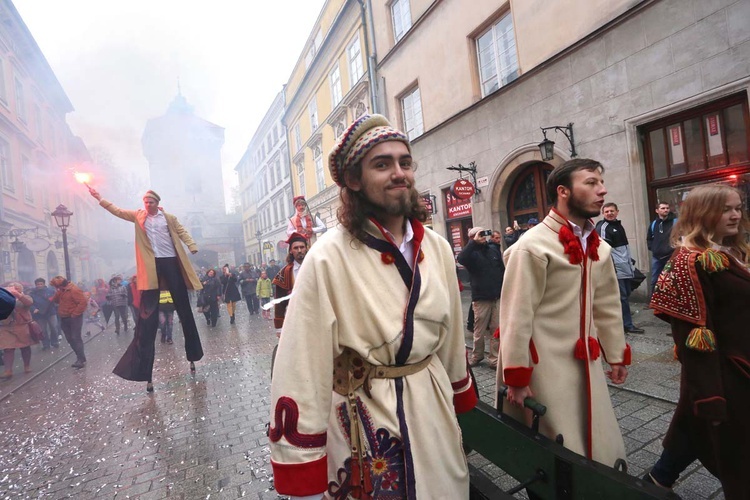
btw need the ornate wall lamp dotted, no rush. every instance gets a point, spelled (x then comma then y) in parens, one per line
(547, 147)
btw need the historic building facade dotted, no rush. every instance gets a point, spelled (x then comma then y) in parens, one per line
(266, 188)
(38, 155)
(657, 90)
(184, 158)
(329, 88)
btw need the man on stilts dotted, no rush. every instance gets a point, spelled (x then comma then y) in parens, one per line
(161, 264)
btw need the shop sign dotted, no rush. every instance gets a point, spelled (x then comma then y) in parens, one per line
(455, 208)
(429, 203)
(456, 237)
(267, 245)
(462, 189)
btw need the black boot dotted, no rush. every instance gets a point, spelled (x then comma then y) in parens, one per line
(231, 320)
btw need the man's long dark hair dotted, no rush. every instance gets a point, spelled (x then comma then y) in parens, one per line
(355, 208)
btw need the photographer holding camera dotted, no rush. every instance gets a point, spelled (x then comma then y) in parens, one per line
(483, 259)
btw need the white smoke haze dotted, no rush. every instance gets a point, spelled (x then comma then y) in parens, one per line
(119, 63)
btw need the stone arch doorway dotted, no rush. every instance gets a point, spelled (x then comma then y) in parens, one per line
(26, 266)
(52, 268)
(528, 194)
(510, 173)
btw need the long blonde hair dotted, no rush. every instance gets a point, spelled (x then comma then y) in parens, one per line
(700, 214)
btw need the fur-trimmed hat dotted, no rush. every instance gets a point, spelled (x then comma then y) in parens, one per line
(298, 198)
(361, 136)
(296, 237)
(152, 194)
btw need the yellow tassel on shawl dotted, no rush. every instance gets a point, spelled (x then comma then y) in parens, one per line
(713, 261)
(701, 339)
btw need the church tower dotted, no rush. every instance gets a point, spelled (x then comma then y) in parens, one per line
(184, 158)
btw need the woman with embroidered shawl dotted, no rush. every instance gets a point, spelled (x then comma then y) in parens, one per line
(704, 292)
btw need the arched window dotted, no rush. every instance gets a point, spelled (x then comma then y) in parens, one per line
(528, 195)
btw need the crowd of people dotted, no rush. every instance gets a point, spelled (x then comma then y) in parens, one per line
(373, 313)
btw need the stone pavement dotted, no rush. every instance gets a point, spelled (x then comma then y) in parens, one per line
(67, 433)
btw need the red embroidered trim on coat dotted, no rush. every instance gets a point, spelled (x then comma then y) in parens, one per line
(287, 407)
(466, 400)
(461, 383)
(301, 479)
(517, 377)
(678, 292)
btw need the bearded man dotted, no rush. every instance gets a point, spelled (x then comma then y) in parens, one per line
(285, 278)
(372, 346)
(559, 312)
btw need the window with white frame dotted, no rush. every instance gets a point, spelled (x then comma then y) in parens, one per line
(354, 52)
(20, 101)
(297, 137)
(26, 177)
(335, 79)
(277, 166)
(401, 14)
(284, 166)
(290, 208)
(497, 57)
(3, 90)
(301, 177)
(6, 167)
(38, 123)
(411, 106)
(319, 174)
(312, 110)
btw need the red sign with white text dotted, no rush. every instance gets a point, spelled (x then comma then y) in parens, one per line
(455, 208)
(462, 189)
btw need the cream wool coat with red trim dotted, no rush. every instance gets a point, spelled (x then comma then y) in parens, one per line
(541, 302)
(144, 252)
(347, 295)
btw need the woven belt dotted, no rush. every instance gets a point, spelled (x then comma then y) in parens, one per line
(350, 372)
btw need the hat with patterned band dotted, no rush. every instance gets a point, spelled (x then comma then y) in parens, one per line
(152, 194)
(364, 134)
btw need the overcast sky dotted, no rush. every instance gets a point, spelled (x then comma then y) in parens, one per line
(119, 63)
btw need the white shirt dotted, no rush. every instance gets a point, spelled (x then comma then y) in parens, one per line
(158, 234)
(295, 269)
(406, 248)
(583, 234)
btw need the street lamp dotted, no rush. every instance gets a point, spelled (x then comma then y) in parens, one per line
(259, 235)
(62, 219)
(546, 147)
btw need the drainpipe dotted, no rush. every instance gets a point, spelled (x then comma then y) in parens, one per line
(369, 34)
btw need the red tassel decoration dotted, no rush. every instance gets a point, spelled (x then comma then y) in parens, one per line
(594, 349)
(580, 350)
(367, 486)
(496, 335)
(356, 473)
(571, 245)
(592, 246)
(534, 354)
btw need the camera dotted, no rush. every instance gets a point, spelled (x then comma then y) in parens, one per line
(486, 232)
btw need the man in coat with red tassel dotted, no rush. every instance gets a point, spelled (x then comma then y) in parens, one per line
(559, 313)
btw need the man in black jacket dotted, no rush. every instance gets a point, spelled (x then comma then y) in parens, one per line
(657, 239)
(483, 260)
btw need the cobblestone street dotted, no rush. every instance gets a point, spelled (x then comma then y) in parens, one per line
(88, 434)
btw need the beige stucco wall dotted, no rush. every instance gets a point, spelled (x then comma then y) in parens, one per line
(441, 49)
(562, 22)
(641, 70)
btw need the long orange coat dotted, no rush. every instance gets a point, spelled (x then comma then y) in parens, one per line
(144, 252)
